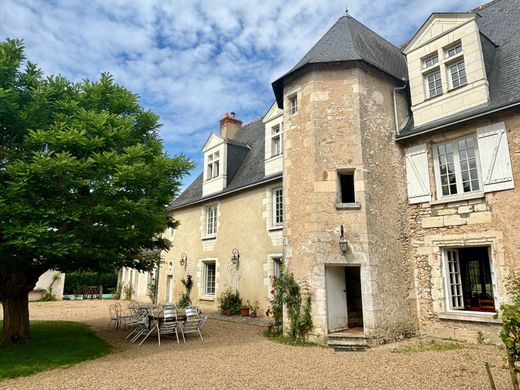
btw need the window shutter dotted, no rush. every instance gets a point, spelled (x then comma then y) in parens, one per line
(495, 163)
(417, 174)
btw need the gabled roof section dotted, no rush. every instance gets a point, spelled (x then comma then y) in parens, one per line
(498, 22)
(250, 171)
(272, 113)
(213, 140)
(436, 25)
(349, 40)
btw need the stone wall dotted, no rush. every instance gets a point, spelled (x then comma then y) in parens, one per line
(327, 134)
(491, 219)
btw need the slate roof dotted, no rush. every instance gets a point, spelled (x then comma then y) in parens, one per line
(498, 22)
(349, 40)
(251, 169)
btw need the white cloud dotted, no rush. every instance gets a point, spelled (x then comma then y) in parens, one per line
(192, 60)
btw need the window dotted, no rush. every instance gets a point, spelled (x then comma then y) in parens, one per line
(453, 50)
(213, 166)
(276, 140)
(456, 166)
(277, 206)
(433, 84)
(457, 74)
(430, 61)
(211, 220)
(346, 187)
(209, 277)
(293, 104)
(468, 279)
(277, 266)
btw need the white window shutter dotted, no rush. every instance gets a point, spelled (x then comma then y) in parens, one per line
(417, 174)
(495, 162)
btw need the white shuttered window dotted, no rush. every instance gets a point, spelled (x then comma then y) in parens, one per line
(417, 174)
(495, 162)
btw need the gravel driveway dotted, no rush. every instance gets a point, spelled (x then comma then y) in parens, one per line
(237, 356)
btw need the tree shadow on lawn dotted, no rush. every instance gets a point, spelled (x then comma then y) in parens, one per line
(54, 344)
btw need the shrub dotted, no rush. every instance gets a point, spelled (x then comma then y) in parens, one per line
(230, 300)
(297, 300)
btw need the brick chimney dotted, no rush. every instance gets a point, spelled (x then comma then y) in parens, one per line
(229, 126)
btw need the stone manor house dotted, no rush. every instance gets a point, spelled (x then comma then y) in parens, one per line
(406, 156)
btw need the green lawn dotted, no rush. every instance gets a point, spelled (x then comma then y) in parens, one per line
(54, 344)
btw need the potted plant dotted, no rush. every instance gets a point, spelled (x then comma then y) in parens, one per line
(254, 308)
(244, 310)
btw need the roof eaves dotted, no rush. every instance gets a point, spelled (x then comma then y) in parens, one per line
(490, 110)
(226, 193)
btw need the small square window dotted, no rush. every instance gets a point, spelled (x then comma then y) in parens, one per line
(430, 61)
(293, 104)
(453, 50)
(346, 187)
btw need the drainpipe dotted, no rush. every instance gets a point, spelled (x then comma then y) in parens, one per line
(395, 104)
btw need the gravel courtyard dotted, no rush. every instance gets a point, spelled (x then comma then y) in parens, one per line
(238, 356)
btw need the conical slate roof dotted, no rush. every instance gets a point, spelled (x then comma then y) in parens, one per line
(349, 40)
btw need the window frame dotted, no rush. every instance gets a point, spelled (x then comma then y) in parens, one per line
(457, 168)
(277, 219)
(276, 133)
(211, 211)
(213, 165)
(430, 58)
(426, 80)
(293, 104)
(453, 46)
(450, 74)
(448, 297)
(206, 265)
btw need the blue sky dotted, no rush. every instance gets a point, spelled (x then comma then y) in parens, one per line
(193, 60)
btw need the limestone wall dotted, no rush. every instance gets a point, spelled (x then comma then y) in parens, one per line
(245, 223)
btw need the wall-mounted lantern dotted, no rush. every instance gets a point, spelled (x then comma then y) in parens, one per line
(184, 260)
(343, 243)
(235, 258)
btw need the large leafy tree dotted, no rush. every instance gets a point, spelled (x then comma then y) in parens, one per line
(84, 181)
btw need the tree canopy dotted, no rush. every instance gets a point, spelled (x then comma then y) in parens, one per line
(84, 179)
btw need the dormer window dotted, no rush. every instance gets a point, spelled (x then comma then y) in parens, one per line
(431, 61)
(276, 140)
(457, 74)
(213, 167)
(433, 84)
(453, 50)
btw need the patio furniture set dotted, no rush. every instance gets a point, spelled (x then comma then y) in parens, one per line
(163, 319)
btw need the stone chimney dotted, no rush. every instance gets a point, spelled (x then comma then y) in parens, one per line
(229, 126)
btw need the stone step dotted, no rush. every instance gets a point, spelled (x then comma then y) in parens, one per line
(347, 343)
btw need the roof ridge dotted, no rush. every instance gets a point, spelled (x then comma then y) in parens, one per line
(375, 32)
(485, 5)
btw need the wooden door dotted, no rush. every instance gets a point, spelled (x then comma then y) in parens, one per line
(337, 314)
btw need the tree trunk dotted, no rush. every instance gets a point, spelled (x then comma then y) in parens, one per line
(16, 319)
(14, 296)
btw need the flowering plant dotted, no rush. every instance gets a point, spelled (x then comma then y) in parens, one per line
(254, 306)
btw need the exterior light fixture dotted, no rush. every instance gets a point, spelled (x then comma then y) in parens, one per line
(343, 243)
(184, 260)
(235, 258)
